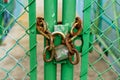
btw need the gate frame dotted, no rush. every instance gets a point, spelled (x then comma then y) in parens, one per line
(51, 6)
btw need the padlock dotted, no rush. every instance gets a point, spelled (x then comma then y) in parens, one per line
(61, 53)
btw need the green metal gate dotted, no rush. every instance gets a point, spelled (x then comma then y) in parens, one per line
(100, 37)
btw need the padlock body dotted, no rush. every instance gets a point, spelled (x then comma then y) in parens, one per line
(61, 52)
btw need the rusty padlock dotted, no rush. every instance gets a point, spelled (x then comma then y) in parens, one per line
(61, 52)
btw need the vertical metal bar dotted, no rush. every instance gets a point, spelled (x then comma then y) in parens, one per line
(86, 36)
(50, 15)
(69, 13)
(32, 37)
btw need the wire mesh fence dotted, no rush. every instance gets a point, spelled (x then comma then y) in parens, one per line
(14, 48)
(104, 49)
(105, 39)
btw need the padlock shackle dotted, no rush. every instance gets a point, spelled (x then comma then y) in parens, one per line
(58, 33)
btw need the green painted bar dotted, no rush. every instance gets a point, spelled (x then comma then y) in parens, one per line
(69, 13)
(68, 16)
(50, 16)
(86, 37)
(32, 37)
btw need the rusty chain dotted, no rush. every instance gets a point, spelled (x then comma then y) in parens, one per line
(66, 40)
(47, 48)
(77, 25)
(42, 27)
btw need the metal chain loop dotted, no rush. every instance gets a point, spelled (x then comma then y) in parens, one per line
(51, 44)
(72, 51)
(47, 48)
(42, 27)
(41, 24)
(76, 61)
(66, 39)
(69, 44)
(77, 25)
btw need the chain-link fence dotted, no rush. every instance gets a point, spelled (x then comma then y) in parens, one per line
(14, 48)
(18, 60)
(104, 56)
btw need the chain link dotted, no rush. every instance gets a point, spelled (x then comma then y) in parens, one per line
(47, 48)
(70, 57)
(66, 40)
(42, 27)
(77, 25)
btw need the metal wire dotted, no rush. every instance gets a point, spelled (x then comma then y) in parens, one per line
(8, 54)
(105, 42)
(104, 39)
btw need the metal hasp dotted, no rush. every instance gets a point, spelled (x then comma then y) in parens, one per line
(32, 37)
(86, 40)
